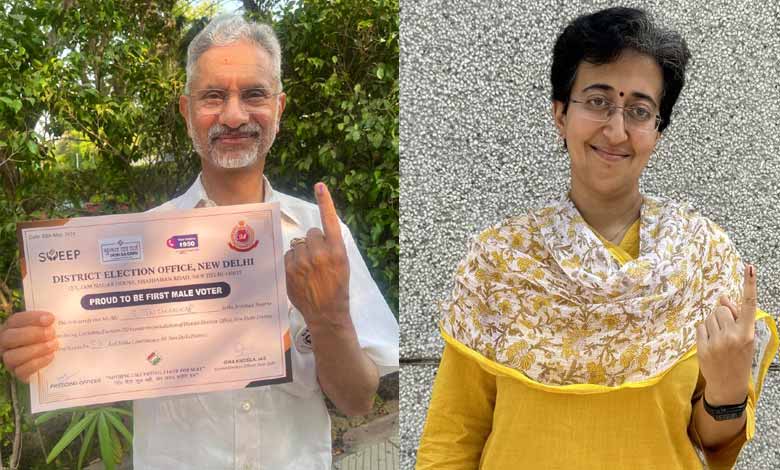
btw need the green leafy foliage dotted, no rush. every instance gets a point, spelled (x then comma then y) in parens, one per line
(83, 421)
(340, 74)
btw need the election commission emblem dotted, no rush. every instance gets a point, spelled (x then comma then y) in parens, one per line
(242, 237)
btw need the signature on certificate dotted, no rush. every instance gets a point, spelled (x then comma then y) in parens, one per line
(243, 351)
(67, 377)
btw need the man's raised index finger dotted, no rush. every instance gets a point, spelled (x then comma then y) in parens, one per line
(749, 295)
(330, 220)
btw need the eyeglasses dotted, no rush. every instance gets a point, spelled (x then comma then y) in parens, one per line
(640, 118)
(213, 100)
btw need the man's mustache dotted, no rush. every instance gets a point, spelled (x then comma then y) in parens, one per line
(245, 130)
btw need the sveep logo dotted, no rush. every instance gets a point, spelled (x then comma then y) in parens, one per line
(58, 255)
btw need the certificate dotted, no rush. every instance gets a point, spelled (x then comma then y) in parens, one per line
(158, 303)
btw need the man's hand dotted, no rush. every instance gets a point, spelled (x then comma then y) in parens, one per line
(27, 343)
(318, 285)
(318, 269)
(725, 342)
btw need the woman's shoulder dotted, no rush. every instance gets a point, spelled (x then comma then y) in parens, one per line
(508, 232)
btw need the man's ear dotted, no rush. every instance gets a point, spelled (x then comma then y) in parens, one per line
(281, 103)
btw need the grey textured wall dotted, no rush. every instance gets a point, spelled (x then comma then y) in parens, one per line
(478, 145)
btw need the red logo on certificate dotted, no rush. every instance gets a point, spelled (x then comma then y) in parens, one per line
(242, 237)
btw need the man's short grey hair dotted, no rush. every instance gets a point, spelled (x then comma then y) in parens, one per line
(229, 29)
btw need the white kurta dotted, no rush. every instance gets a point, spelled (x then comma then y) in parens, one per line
(277, 427)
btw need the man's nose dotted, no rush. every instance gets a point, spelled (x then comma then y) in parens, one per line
(233, 114)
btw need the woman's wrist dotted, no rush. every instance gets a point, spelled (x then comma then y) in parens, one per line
(725, 397)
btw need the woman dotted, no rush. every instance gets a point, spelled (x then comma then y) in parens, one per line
(608, 329)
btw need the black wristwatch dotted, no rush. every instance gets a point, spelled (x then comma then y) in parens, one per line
(725, 412)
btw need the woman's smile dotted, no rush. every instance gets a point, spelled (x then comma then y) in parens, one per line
(608, 154)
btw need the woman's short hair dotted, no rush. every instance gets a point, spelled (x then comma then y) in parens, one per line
(600, 38)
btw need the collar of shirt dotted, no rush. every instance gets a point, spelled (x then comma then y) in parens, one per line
(196, 197)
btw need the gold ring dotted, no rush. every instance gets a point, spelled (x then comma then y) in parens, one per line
(297, 241)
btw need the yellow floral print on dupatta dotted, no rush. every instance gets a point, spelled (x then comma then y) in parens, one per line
(540, 293)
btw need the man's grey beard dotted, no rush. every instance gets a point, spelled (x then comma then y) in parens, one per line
(231, 159)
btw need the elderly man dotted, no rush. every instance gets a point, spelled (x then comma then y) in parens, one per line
(344, 335)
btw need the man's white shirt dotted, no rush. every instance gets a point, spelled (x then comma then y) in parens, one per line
(277, 427)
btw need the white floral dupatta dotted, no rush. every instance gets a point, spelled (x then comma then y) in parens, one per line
(541, 294)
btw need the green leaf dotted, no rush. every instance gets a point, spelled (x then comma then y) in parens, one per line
(117, 423)
(316, 62)
(47, 416)
(16, 105)
(117, 410)
(106, 445)
(86, 442)
(69, 435)
(75, 417)
(118, 449)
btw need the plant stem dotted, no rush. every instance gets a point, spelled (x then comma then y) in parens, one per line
(16, 450)
(40, 441)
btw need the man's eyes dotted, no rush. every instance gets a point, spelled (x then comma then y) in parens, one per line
(251, 94)
(254, 94)
(213, 95)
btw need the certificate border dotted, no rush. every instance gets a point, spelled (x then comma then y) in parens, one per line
(273, 213)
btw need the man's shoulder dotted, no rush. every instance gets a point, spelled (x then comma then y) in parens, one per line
(186, 200)
(295, 203)
(166, 206)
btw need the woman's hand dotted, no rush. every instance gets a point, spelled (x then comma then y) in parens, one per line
(725, 343)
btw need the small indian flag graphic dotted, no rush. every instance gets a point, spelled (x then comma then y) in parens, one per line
(153, 358)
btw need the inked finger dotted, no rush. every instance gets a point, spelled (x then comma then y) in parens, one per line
(24, 371)
(29, 318)
(11, 338)
(328, 216)
(749, 298)
(14, 358)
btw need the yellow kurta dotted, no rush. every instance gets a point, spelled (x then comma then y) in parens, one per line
(481, 418)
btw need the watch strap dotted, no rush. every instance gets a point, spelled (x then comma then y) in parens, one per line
(724, 412)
